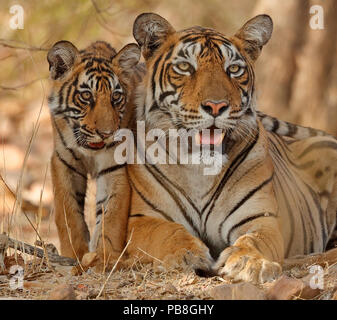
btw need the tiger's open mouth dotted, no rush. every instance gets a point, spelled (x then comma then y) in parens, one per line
(96, 145)
(210, 136)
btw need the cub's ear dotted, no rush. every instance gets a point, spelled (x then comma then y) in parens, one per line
(128, 56)
(150, 31)
(61, 57)
(256, 33)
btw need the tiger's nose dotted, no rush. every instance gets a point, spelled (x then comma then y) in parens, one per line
(105, 134)
(214, 108)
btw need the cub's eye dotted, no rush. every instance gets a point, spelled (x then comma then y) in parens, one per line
(116, 96)
(236, 70)
(75, 111)
(86, 95)
(184, 66)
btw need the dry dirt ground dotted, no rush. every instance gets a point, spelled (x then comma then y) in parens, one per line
(41, 281)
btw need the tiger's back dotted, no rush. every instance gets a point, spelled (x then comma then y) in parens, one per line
(306, 190)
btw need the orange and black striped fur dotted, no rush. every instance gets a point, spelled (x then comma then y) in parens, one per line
(273, 198)
(91, 98)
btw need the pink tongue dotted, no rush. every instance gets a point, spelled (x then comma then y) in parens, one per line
(211, 138)
(97, 144)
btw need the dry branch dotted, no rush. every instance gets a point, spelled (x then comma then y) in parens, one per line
(53, 257)
(326, 258)
(103, 22)
(23, 85)
(19, 45)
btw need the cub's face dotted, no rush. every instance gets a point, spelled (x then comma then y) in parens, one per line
(200, 79)
(90, 90)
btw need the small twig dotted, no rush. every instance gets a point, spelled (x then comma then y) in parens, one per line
(33, 250)
(21, 46)
(70, 239)
(103, 239)
(154, 258)
(115, 265)
(23, 85)
(103, 22)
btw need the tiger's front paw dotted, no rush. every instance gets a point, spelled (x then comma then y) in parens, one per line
(247, 265)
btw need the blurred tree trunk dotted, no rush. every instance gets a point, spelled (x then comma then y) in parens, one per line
(309, 103)
(332, 100)
(276, 67)
(297, 78)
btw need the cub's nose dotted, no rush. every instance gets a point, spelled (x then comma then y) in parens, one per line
(105, 134)
(214, 108)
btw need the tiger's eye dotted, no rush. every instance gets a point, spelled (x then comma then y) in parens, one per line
(86, 95)
(234, 68)
(116, 96)
(183, 66)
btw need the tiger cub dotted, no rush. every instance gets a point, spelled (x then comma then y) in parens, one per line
(91, 98)
(273, 197)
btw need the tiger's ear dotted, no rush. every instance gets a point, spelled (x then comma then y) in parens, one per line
(150, 31)
(256, 33)
(128, 56)
(61, 57)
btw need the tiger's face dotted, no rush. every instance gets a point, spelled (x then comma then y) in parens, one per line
(90, 90)
(200, 79)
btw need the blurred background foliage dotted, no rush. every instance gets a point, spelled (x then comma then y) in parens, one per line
(296, 73)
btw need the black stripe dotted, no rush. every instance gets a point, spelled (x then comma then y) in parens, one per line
(165, 94)
(101, 201)
(164, 177)
(319, 145)
(244, 199)
(292, 129)
(61, 94)
(172, 193)
(285, 170)
(323, 221)
(63, 141)
(175, 198)
(70, 166)
(289, 214)
(110, 169)
(154, 107)
(80, 201)
(136, 215)
(283, 146)
(155, 67)
(153, 207)
(313, 194)
(246, 220)
(276, 125)
(235, 164)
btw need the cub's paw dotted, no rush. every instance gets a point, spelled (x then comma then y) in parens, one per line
(102, 267)
(107, 256)
(247, 265)
(197, 259)
(185, 259)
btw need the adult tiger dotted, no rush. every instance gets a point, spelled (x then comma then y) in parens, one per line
(273, 198)
(91, 98)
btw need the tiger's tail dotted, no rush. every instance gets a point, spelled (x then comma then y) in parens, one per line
(284, 128)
